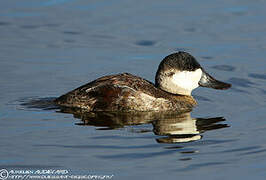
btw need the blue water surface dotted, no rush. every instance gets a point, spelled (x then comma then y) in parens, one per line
(48, 48)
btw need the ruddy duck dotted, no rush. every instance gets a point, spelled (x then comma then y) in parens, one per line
(178, 74)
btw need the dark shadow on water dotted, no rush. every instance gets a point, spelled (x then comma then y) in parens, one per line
(239, 90)
(206, 57)
(51, 25)
(224, 68)
(200, 165)
(34, 103)
(263, 91)
(103, 36)
(30, 26)
(257, 76)
(241, 149)
(241, 82)
(69, 41)
(72, 32)
(2, 23)
(145, 43)
(201, 98)
(169, 127)
(190, 29)
(137, 155)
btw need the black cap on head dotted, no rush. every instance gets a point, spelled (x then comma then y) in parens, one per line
(182, 61)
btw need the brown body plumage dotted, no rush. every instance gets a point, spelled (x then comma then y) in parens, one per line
(124, 92)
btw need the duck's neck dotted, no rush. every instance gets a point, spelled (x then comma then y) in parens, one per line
(181, 97)
(167, 83)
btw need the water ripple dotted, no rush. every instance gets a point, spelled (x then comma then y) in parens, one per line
(257, 76)
(137, 155)
(32, 166)
(224, 67)
(254, 152)
(2, 23)
(241, 149)
(145, 43)
(97, 146)
(241, 82)
(200, 165)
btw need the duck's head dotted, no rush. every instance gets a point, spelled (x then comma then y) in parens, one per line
(180, 73)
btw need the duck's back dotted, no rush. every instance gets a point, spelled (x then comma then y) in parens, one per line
(124, 92)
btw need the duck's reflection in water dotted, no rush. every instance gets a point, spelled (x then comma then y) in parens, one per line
(170, 127)
(184, 128)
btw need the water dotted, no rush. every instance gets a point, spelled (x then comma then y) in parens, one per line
(50, 47)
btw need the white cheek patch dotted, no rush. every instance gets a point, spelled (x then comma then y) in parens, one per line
(187, 79)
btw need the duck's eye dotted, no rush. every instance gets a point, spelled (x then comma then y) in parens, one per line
(170, 74)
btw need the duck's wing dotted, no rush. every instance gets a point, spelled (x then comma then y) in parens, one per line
(108, 93)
